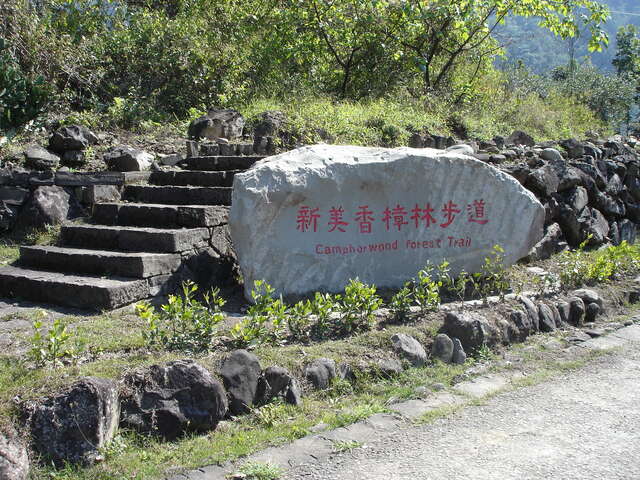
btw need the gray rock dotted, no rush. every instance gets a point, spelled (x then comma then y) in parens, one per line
(472, 329)
(72, 426)
(14, 460)
(8, 216)
(320, 373)
(461, 148)
(224, 123)
(519, 137)
(459, 356)
(15, 196)
(240, 372)
(272, 239)
(578, 337)
(577, 198)
(416, 140)
(574, 148)
(47, 206)
(73, 137)
(551, 154)
(127, 159)
(409, 348)
(552, 243)
(172, 399)
(37, 158)
(591, 312)
(278, 382)
(532, 312)
(547, 320)
(73, 158)
(442, 348)
(576, 311)
(523, 324)
(388, 367)
(543, 180)
(564, 310)
(270, 123)
(627, 231)
(588, 296)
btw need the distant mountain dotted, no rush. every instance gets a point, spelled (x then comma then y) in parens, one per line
(541, 51)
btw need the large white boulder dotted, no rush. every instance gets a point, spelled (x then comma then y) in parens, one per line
(315, 217)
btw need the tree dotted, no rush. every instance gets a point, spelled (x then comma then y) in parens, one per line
(440, 35)
(627, 59)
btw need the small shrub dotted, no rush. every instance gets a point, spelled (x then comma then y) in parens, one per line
(493, 277)
(260, 471)
(324, 307)
(426, 291)
(357, 306)
(299, 320)
(52, 345)
(459, 286)
(400, 303)
(184, 323)
(265, 320)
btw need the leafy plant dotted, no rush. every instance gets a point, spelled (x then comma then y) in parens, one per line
(183, 323)
(357, 306)
(22, 98)
(400, 303)
(460, 286)
(261, 471)
(493, 277)
(299, 320)
(265, 320)
(52, 345)
(324, 307)
(426, 291)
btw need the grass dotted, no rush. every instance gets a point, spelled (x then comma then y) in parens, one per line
(261, 471)
(10, 244)
(115, 345)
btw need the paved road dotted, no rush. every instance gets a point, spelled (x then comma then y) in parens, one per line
(582, 425)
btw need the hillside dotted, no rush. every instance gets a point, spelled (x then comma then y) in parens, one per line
(541, 51)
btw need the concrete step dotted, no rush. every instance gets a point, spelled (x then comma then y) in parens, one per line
(170, 195)
(193, 177)
(219, 163)
(133, 239)
(79, 291)
(99, 262)
(160, 216)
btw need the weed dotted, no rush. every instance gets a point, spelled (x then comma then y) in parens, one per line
(342, 446)
(260, 471)
(357, 306)
(426, 291)
(299, 320)
(52, 345)
(323, 306)
(183, 323)
(493, 276)
(400, 303)
(265, 320)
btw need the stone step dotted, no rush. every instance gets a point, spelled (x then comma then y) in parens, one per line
(79, 291)
(133, 239)
(170, 195)
(160, 216)
(99, 262)
(193, 177)
(219, 163)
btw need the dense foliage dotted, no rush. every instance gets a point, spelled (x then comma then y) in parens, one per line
(145, 59)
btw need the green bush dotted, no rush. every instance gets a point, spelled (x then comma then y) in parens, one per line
(356, 307)
(265, 320)
(22, 98)
(183, 323)
(579, 267)
(53, 345)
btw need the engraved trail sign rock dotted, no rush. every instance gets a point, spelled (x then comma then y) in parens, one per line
(313, 218)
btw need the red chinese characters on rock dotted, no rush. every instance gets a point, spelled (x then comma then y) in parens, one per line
(396, 218)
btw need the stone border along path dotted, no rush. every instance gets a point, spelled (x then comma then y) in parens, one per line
(163, 232)
(317, 448)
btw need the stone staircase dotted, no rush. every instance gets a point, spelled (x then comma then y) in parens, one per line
(172, 228)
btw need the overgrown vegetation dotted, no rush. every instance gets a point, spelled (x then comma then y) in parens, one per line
(359, 72)
(580, 267)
